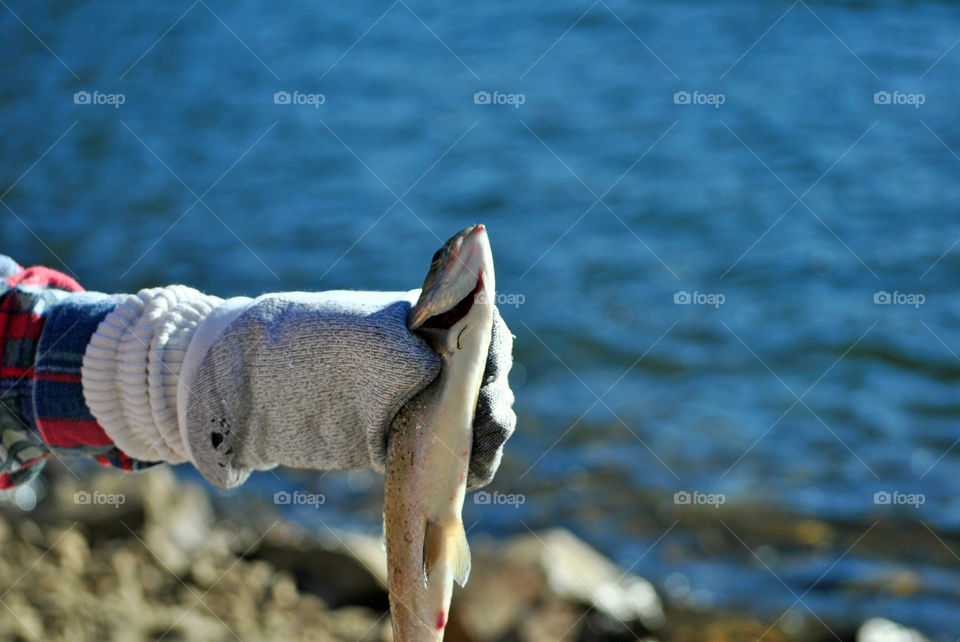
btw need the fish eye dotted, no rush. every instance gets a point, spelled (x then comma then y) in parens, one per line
(436, 256)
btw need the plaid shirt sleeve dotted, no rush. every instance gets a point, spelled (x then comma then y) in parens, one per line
(45, 325)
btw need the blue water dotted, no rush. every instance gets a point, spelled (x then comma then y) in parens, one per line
(358, 192)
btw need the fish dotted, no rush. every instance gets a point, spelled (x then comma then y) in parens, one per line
(430, 440)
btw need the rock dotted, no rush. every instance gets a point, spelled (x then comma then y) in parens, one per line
(703, 627)
(108, 503)
(355, 623)
(553, 586)
(500, 594)
(178, 518)
(576, 572)
(811, 532)
(881, 630)
(68, 580)
(72, 550)
(159, 565)
(356, 561)
(555, 621)
(284, 590)
(898, 582)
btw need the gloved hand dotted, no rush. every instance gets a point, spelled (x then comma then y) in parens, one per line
(308, 380)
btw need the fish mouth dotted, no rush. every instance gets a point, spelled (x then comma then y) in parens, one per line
(455, 280)
(448, 319)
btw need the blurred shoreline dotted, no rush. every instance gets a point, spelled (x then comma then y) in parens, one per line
(146, 556)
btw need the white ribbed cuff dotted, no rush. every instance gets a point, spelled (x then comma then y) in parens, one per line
(131, 369)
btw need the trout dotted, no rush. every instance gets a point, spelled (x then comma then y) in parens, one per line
(428, 450)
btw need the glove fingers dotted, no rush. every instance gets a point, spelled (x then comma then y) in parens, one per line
(495, 420)
(307, 380)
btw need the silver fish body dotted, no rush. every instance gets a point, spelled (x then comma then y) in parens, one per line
(428, 451)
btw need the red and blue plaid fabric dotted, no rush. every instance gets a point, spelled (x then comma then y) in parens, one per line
(44, 330)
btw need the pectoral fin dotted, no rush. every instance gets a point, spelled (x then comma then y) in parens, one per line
(446, 544)
(461, 555)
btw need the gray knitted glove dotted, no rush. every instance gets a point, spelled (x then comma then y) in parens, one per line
(313, 380)
(495, 420)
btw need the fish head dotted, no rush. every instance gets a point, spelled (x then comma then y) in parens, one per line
(459, 288)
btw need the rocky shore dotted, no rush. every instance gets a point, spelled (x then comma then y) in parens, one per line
(149, 559)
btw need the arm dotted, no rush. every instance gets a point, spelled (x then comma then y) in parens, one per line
(42, 408)
(300, 379)
(324, 376)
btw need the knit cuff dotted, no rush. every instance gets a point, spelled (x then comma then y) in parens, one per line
(132, 365)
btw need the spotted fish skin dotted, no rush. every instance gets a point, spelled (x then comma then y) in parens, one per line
(429, 444)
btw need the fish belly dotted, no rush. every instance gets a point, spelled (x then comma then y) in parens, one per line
(427, 458)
